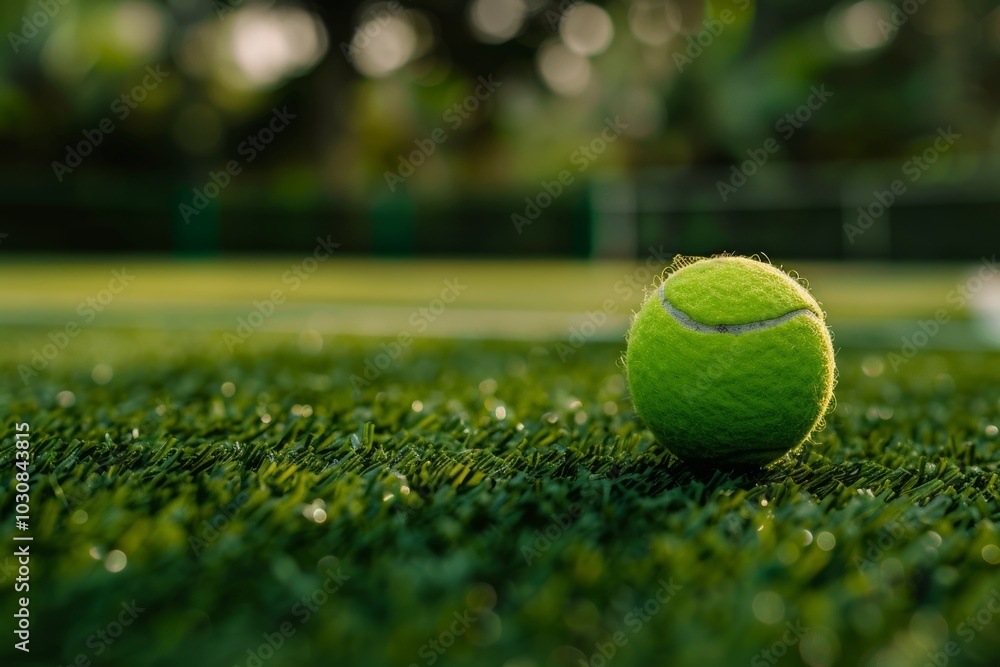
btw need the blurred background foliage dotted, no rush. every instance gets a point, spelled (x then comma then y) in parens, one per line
(697, 82)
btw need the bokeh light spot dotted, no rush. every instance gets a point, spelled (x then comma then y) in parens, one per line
(383, 45)
(860, 27)
(654, 22)
(562, 70)
(115, 561)
(587, 29)
(496, 21)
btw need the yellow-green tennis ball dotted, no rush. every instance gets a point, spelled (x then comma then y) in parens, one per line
(730, 361)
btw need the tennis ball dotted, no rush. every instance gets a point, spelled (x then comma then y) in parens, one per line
(729, 360)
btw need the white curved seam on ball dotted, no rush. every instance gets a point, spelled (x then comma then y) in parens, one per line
(689, 322)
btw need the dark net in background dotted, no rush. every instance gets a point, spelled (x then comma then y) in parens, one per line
(502, 127)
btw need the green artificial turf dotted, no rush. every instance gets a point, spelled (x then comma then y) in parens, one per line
(494, 486)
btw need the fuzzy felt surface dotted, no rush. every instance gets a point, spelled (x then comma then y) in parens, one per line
(719, 397)
(736, 290)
